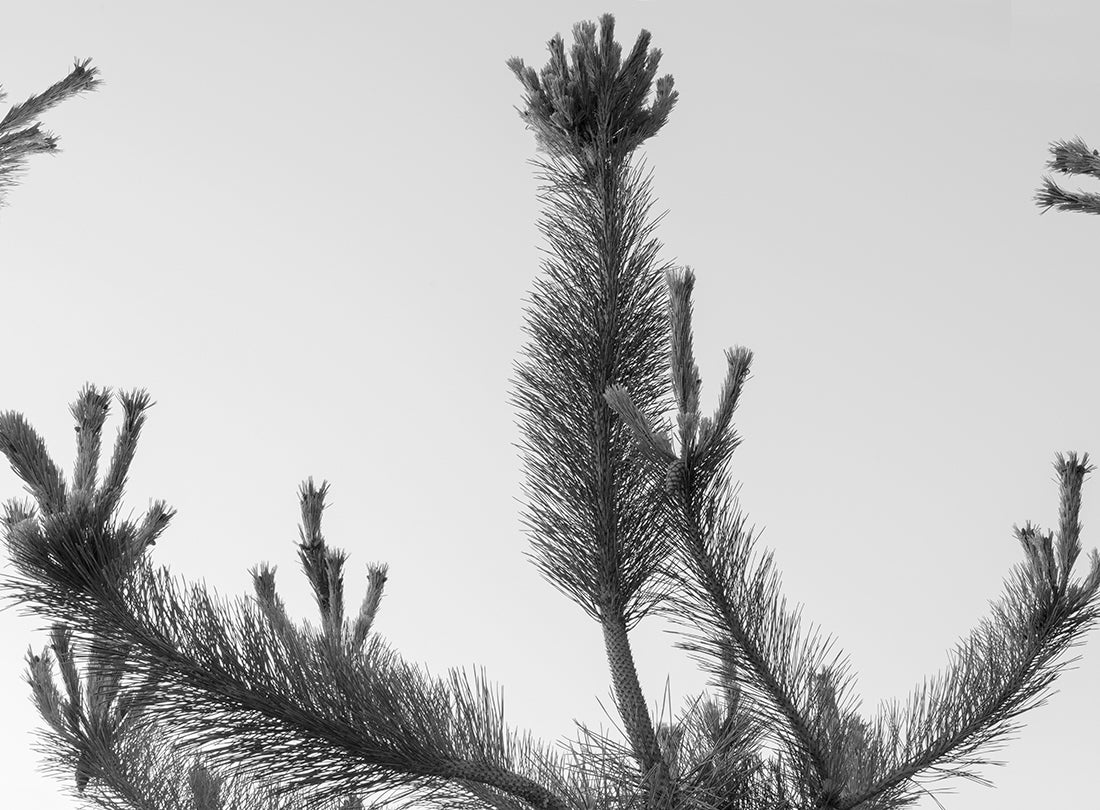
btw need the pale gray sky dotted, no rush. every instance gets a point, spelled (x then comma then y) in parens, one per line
(308, 230)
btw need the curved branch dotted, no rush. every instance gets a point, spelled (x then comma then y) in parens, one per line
(1004, 669)
(325, 723)
(21, 135)
(325, 716)
(1008, 663)
(748, 646)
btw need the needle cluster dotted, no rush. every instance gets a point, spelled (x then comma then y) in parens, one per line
(1072, 157)
(21, 134)
(593, 105)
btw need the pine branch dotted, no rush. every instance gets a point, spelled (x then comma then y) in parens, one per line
(121, 757)
(1072, 157)
(1004, 668)
(734, 615)
(737, 618)
(733, 610)
(322, 718)
(21, 135)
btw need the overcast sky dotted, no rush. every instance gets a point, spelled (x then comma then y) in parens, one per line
(309, 229)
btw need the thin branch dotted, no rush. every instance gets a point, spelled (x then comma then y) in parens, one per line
(734, 611)
(1003, 669)
(21, 135)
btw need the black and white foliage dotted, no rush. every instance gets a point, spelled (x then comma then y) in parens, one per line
(191, 701)
(21, 134)
(1072, 157)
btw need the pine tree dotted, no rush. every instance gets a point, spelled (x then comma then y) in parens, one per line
(629, 515)
(21, 135)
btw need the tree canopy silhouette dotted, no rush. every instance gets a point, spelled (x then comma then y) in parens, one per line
(191, 700)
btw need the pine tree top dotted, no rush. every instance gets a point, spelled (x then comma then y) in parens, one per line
(592, 102)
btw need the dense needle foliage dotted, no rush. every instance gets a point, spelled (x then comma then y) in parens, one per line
(1072, 157)
(191, 701)
(21, 135)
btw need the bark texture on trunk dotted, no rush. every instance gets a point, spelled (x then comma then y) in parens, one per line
(634, 712)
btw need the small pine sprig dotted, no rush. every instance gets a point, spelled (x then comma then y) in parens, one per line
(705, 442)
(324, 569)
(1071, 472)
(1070, 157)
(21, 135)
(364, 621)
(74, 535)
